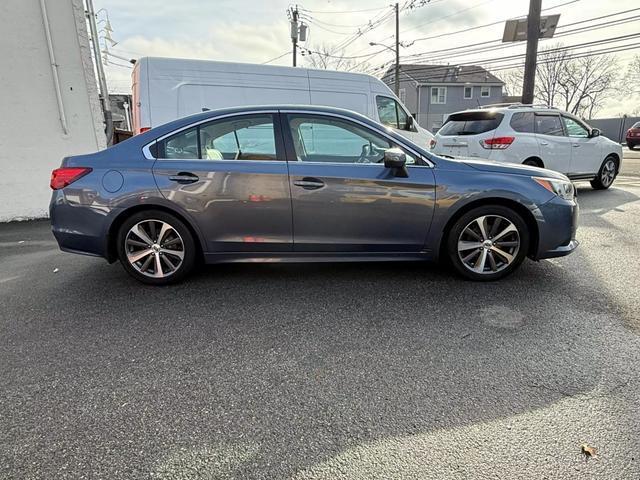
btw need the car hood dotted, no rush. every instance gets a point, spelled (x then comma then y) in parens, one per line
(513, 168)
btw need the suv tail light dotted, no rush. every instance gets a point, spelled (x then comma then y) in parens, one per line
(61, 177)
(497, 143)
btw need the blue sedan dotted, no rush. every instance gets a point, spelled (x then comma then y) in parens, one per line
(301, 184)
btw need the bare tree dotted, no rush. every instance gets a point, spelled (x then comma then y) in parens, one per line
(579, 85)
(324, 57)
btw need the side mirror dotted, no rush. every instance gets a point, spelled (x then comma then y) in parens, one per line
(395, 159)
(595, 132)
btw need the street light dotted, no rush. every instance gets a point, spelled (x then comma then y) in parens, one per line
(397, 67)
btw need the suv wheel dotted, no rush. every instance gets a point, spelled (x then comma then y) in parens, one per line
(606, 174)
(488, 243)
(156, 248)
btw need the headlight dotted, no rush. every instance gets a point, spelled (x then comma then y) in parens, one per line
(562, 188)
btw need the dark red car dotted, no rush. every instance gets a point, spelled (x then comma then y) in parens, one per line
(633, 136)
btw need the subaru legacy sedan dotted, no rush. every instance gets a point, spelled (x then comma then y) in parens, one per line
(302, 184)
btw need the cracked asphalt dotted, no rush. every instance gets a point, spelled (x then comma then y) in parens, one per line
(342, 371)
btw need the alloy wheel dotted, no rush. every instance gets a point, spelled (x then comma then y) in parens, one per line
(488, 244)
(608, 173)
(154, 248)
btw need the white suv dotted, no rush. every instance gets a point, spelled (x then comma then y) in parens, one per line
(534, 135)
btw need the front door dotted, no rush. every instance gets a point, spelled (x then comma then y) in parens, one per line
(555, 146)
(585, 151)
(231, 176)
(344, 199)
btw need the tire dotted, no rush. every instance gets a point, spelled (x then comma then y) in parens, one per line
(606, 175)
(140, 233)
(631, 146)
(515, 243)
(532, 163)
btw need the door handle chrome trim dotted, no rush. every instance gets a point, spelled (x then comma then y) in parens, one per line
(184, 178)
(309, 183)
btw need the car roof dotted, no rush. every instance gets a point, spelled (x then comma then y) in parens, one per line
(515, 107)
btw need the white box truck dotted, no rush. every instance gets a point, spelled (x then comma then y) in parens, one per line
(165, 89)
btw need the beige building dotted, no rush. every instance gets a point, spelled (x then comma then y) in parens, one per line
(48, 97)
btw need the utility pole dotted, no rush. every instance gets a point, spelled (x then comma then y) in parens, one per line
(533, 32)
(397, 72)
(294, 32)
(102, 79)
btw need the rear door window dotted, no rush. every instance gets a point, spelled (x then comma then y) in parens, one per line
(549, 125)
(523, 122)
(471, 123)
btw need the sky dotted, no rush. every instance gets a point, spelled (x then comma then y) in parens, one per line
(258, 31)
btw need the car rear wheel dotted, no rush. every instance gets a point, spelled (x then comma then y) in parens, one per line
(532, 162)
(156, 248)
(631, 146)
(606, 174)
(488, 243)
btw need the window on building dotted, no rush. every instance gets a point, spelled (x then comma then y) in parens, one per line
(439, 95)
(402, 95)
(468, 92)
(485, 91)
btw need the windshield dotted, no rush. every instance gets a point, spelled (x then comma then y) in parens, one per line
(471, 123)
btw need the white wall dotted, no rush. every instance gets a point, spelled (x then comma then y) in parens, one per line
(32, 141)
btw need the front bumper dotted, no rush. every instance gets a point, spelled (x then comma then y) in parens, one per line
(557, 228)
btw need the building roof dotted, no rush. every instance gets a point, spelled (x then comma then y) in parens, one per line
(433, 74)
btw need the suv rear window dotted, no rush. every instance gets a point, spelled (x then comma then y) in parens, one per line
(471, 123)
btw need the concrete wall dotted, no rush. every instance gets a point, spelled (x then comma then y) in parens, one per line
(614, 128)
(32, 139)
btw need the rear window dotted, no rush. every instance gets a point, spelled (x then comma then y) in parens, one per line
(636, 125)
(471, 123)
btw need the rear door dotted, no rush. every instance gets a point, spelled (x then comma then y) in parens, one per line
(230, 175)
(585, 151)
(555, 145)
(462, 133)
(344, 199)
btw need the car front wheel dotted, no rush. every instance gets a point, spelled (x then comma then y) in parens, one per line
(488, 243)
(156, 248)
(606, 174)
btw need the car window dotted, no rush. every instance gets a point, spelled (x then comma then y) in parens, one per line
(471, 123)
(239, 138)
(391, 113)
(549, 125)
(247, 137)
(323, 139)
(522, 122)
(182, 145)
(574, 128)
(636, 125)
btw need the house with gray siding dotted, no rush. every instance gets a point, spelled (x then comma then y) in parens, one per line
(432, 92)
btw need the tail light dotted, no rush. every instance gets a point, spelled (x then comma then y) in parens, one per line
(497, 143)
(432, 143)
(61, 177)
(144, 129)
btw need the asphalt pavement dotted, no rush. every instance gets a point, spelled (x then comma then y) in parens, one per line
(325, 371)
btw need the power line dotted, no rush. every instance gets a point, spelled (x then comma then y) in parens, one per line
(276, 58)
(492, 45)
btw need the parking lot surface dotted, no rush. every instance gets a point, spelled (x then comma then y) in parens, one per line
(325, 371)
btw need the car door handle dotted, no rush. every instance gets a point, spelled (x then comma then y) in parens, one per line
(544, 143)
(576, 145)
(309, 183)
(184, 178)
